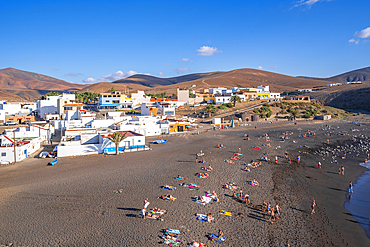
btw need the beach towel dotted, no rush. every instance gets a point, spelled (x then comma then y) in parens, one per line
(247, 170)
(238, 154)
(156, 211)
(205, 200)
(223, 212)
(203, 217)
(216, 239)
(256, 148)
(180, 178)
(172, 231)
(229, 161)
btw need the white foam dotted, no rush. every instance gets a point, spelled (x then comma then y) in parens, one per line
(367, 164)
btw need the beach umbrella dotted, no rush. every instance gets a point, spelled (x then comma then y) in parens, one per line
(232, 123)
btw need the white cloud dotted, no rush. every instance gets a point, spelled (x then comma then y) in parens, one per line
(161, 74)
(118, 75)
(308, 3)
(363, 34)
(187, 60)
(114, 76)
(259, 67)
(207, 51)
(354, 41)
(181, 70)
(90, 80)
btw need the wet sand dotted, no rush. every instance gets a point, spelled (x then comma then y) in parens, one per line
(74, 204)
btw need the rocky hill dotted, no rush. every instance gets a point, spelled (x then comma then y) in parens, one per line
(30, 85)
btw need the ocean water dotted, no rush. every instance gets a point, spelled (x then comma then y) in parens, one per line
(358, 204)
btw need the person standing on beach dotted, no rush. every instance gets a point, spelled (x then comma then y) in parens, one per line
(146, 203)
(298, 159)
(286, 154)
(350, 187)
(319, 165)
(276, 159)
(277, 210)
(343, 170)
(313, 204)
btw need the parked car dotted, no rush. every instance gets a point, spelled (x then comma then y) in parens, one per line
(10, 123)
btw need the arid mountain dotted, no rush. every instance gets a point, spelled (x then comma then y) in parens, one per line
(152, 81)
(362, 75)
(102, 87)
(235, 78)
(30, 85)
(5, 95)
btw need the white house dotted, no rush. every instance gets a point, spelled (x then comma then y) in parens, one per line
(222, 99)
(158, 109)
(146, 125)
(23, 149)
(139, 97)
(50, 105)
(33, 131)
(217, 90)
(263, 88)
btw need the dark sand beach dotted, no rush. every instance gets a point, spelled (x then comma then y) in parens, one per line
(74, 202)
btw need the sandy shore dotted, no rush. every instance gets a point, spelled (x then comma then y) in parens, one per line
(74, 204)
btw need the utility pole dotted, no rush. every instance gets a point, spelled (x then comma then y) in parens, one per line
(15, 153)
(49, 134)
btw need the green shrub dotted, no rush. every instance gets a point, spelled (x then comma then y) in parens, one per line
(229, 105)
(223, 107)
(268, 114)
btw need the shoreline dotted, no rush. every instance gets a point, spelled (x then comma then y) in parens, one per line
(74, 199)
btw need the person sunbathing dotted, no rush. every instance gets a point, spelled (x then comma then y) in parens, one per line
(178, 176)
(255, 183)
(231, 186)
(196, 244)
(209, 168)
(168, 197)
(246, 169)
(220, 234)
(149, 215)
(209, 217)
(203, 161)
(214, 195)
(169, 187)
(157, 210)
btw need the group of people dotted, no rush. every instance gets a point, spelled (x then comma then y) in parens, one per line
(272, 212)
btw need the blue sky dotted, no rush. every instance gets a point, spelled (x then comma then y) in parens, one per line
(92, 41)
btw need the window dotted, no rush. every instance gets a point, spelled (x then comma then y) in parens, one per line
(3, 154)
(68, 108)
(139, 141)
(107, 101)
(115, 101)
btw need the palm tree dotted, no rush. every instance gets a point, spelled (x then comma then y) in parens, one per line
(211, 109)
(117, 137)
(234, 99)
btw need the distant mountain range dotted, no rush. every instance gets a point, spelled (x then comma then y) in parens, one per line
(19, 84)
(28, 85)
(234, 78)
(362, 75)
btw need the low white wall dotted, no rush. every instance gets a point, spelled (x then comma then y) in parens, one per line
(64, 151)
